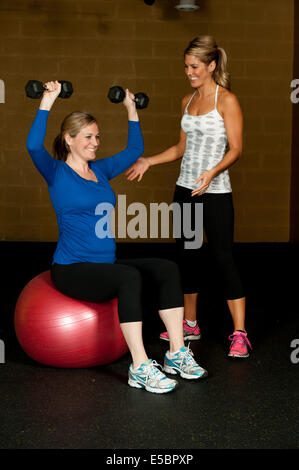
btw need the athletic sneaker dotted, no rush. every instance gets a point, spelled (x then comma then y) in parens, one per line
(184, 365)
(189, 333)
(152, 379)
(239, 345)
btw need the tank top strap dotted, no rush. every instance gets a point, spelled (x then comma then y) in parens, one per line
(216, 96)
(189, 102)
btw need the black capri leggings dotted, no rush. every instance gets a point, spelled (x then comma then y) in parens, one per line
(125, 279)
(218, 224)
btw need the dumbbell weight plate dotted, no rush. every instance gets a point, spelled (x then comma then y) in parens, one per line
(34, 89)
(141, 100)
(116, 94)
(66, 89)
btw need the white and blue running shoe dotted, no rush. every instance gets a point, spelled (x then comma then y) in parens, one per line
(182, 363)
(150, 378)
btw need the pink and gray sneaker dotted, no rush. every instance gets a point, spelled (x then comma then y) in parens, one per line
(239, 345)
(189, 333)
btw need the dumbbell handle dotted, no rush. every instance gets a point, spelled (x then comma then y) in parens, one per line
(61, 82)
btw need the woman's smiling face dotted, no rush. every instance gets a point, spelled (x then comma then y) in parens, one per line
(197, 71)
(85, 143)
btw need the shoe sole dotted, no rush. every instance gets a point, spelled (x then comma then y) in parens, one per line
(150, 389)
(192, 337)
(238, 356)
(173, 371)
(186, 338)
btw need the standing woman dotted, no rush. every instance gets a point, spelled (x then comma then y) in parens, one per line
(84, 264)
(210, 142)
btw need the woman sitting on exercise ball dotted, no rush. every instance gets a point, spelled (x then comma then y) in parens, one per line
(84, 265)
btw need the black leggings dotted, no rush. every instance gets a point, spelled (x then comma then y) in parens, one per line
(218, 224)
(125, 280)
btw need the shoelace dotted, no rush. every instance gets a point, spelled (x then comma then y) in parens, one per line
(153, 373)
(239, 339)
(187, 357)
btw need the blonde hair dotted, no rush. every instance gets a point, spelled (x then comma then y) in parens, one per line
(206, 49)
(72, 125)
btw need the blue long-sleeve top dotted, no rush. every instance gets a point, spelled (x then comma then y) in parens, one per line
(78, 202)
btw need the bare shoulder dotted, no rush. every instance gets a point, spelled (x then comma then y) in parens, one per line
(227, 100)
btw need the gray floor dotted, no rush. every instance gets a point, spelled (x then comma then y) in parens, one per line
(251, 405)
(241, 405)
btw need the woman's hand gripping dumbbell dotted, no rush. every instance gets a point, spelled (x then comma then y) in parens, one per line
(117, 94)
(35, 89)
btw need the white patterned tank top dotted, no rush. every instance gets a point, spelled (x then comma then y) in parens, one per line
(206, 144)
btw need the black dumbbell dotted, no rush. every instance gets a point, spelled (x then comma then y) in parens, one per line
(117, 95)
(35, 89)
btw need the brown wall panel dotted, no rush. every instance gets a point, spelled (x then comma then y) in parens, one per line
(294, 206)
(97, 44)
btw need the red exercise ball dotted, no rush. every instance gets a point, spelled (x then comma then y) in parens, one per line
(60, 331)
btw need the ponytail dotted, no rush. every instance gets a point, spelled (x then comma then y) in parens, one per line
(220, 74)
(60, 148)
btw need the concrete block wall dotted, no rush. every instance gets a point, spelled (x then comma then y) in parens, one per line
(97, 44)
